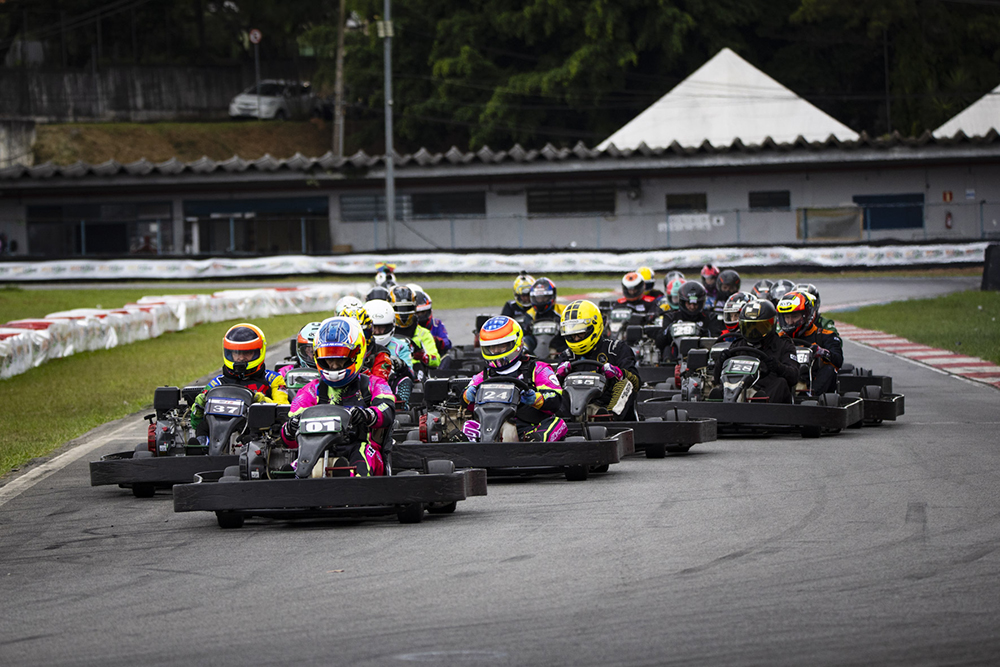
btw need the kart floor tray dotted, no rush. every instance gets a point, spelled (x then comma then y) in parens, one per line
(264, 497)
(508, 455)
(848, 382)
(120, 468)
(886, 408)
(656, 374)
(848, 412)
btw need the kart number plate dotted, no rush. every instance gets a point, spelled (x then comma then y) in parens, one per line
(582, 381)
(299, 379)
(744, 366)
(545, 328)
(321, 425)
(226, 407)
(803, 356)
(683, 329)
(621, 315)
(495, 393)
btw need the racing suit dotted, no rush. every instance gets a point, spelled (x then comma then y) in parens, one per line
(782, 366)
(267, 387)
(707, 325)
(365, 391)
(392, 363)
(535, 421)
(553, 314)
(623, 384)
(424, 349)
(440, 335)
(646, 306)
(828, 357)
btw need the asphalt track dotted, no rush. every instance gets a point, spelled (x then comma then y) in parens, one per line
(874, 546)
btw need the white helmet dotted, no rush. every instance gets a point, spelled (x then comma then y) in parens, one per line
(385, 279)
(383, 320)
(349, 301)
(415, 287)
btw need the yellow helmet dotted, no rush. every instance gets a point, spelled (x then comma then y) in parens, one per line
(581, 326)
(522, 288)
(648, 277)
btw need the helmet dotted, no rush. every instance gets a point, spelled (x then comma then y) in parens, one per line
(731, 311)
(424, 305)
(522, 288)
(243, 350)
(384, 276)
(762, 289)
(796, 313)
(415, 287)
(401, 298)
(709, 273)
(648, 277)
(671, 275)
(757, 321)
(340, 349)
(500, 341)
(543, 295)
(304, 344)
(674, 292)
(377, 294)
(692, 299)
(779, 289)
(581, 326)
(383, 320)
(727, 284)
(809, 288)
(633, 286)
(361, 315)
(349, 301)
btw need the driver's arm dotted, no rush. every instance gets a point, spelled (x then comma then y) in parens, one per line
(279, 390)
(469, 393)
(383, 402)
(785, 363)
(547, 388)
(623, 357)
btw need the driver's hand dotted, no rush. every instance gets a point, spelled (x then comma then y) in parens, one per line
(530, 397)
(470, 394)
(563, 369)
(612, 372)
(764, 370)
(260, 397)
(820, 352)
(292, 427)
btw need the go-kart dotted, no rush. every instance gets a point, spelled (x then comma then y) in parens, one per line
(171, 456)
(656, 432)
(875, 392)
(297, 378)
(322, 483)
(501, 452)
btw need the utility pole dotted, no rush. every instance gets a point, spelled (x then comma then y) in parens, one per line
(885, 56)
(338, 87)
(390, 185)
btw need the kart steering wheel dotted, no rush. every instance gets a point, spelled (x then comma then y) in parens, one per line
(745, 349)
(520, 384)
(586, 363)
(798, 342)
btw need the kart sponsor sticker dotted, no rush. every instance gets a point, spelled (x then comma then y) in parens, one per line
(745, 366)
(494, 393)
(321, 425)
(802, 356)
(226, 407)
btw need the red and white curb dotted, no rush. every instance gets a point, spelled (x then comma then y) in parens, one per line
(971, 368)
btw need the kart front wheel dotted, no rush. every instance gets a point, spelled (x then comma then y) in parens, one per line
(656, 451)
(229, 520)
(577, 473)
(143, 490)
(411, 513)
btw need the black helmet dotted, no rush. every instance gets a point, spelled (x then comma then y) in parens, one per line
(762, 289)
(779, 289)
(543, 295)
(726, 285)
(692, 300)
(757, 321)
(377, 293)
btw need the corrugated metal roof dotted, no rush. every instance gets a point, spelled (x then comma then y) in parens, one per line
(423, 159)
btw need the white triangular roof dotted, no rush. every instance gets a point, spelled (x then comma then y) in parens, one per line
(977, 120)
(726, 99)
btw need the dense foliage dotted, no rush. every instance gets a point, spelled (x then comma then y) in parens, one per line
(475, 72)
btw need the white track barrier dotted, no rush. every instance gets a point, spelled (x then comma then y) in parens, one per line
(554, 262)
(25, 344)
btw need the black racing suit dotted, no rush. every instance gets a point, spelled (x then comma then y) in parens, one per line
(824, 369)
(708, 327)
(782, 372)
(620, 355)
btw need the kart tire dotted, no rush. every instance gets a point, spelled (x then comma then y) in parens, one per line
(656, 451)
(655, 419)
(440, 467)
(442, 508)
(676, 415)
(143, 490)
(227, 479)
(228, 520)
(577, 473)
(411, 513)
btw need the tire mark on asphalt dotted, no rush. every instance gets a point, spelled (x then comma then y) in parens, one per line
(916, 513)
(21, 640)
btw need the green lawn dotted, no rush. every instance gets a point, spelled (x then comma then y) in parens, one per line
(964, 322)
(19, 304)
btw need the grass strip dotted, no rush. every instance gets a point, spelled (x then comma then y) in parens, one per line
(964, 322)
(19, 304)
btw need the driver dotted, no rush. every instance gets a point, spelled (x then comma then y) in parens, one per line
(340, 349)
(582, 326)
(303, 349)
(731, 316)
(421, 341)
(635, 298)
(779, 367)
(521, 302)
(649, 278)
(243, 350)
(797, 315)
(691, 308)
(709, 276)
(545, 308)
(502, 344)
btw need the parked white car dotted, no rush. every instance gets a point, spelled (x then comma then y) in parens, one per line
(279, 100)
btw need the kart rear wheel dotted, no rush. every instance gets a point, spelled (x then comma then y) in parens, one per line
(143, 490)
(577, 473)
(229, 520)
(656, 451)
(811, 431)
(411, 513)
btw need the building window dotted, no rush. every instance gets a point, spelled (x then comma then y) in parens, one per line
(571, 201)
(435, 205)
(367, 208)
(100, 229)
(696, 202)
(892, 211)
(770, 200)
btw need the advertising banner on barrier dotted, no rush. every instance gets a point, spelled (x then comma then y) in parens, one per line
(27, 343)
(555, 262)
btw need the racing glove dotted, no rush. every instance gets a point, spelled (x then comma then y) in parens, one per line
(763, 368)
(198, 410)
(260, 397)
(471, 429)
(470, 395)
(612, 372)
(820, 352)
(291, 427)
(531, 397)
(365, 417)
(563, 369)
(420, 355)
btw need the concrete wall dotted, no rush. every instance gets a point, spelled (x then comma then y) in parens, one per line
(12, 224)
(16, 140)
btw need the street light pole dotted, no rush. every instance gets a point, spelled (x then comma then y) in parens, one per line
(390, 185)
(338, 88)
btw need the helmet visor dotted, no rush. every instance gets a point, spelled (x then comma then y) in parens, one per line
(755, 330)
(336, 357)
(792, 321)
(383, 329)
(405, 316)
(242, 356)
(305, 350)
(499, 349)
